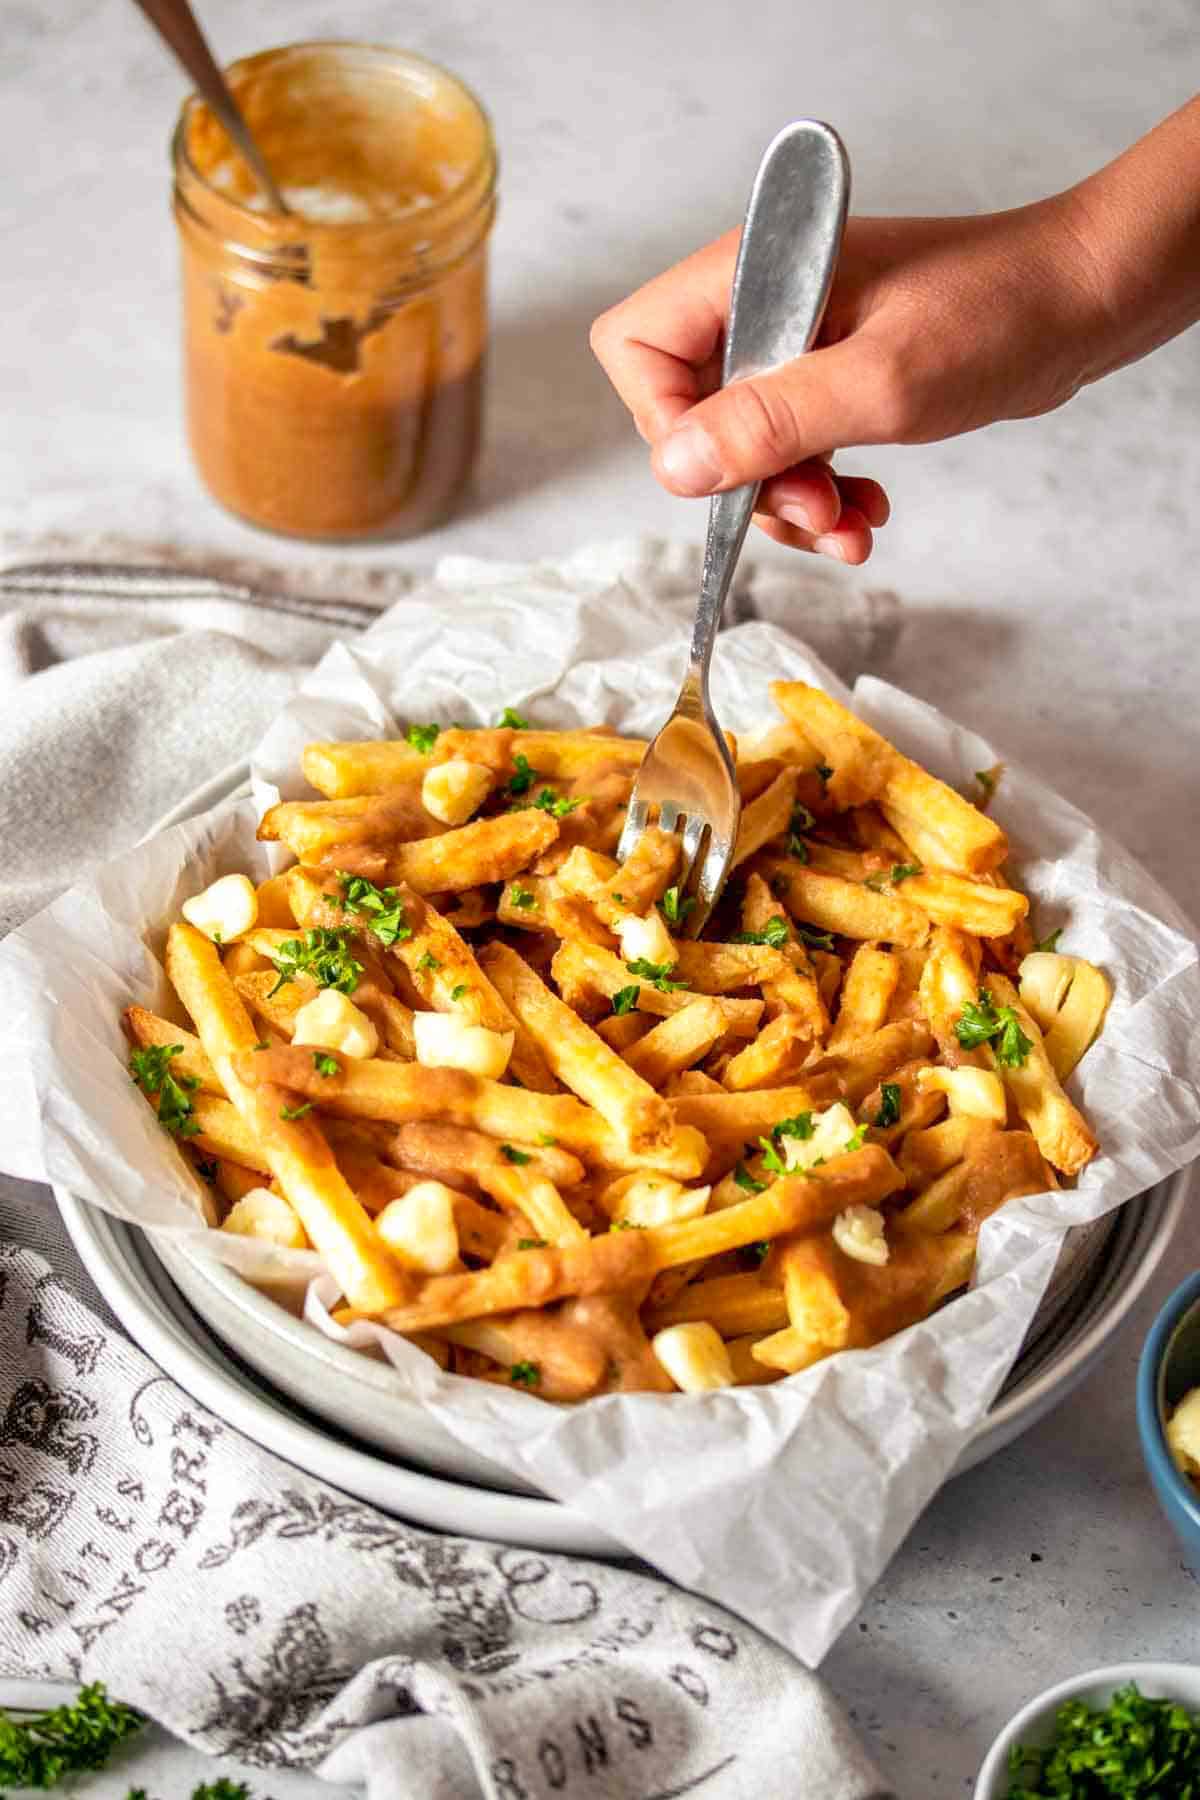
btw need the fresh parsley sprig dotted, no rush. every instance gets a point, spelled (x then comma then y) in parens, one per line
(523, 777)
(525, 1374)
(322, 953)
(674, 910)
(422, 737)
(774, 933)
(557, 805)
(521, 897)
(511, 721)
(625, 999)
(894, 876)
(982, 1022)
(889, 1104)
(150, 1070)
(39, 1752)
(381, 910)
(657, 974)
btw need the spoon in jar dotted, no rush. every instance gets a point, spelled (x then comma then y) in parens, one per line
(176, 25)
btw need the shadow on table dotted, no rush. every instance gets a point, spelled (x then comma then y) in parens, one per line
(550, 408)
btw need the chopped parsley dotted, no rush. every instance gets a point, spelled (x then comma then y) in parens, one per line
(422, 737)
(513, 1155)
(325, 1064)
(889, 1104)
(323, 954)
(525, 1374)
(674, 910)
(620, 899)
(982, 1022)
(1051, 942)
(523, 776)
(657, 974)
(428, 961)
(547, 1139)
(797, 848)
(381, 910)
(759, 1252)
(855, 1141)
(825, 772)
(295, 1112)
(987, 779)
(819, 940)
(774, 934)
(800, 1125)
(773, 1163)
(521, 897)
(625, 999)
(263, 1044)
(150, 1071)
(456, 993)
(746, 1181)
(1134, 1747)
(531, 1243)
(510, 720)
(556, 805)
(802, 819)
(39, 1752)
(626, 1225)
(895, 875)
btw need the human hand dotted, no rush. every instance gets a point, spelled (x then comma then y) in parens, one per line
(934, 327)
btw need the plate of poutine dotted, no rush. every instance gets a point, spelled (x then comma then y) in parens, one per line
(471, 1119)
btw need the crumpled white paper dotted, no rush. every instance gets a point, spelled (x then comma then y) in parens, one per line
(784, 1502)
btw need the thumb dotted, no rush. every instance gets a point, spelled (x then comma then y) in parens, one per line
(759, 426)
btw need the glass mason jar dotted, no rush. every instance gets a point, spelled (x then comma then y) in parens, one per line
(334, 356)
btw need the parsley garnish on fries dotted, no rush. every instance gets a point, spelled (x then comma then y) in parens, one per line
(674, 910)
(521, 897)
(625, 999)
(511, 721)
(889, 1104)
(325, 1064)
(894, 876)
(774, 934)
(322, 953)
(525, 1374)
(657, 974)
(150, 1071)
(381, 909)
(984, 1023)
(523, 776)
(39, 1752)
(423, 737)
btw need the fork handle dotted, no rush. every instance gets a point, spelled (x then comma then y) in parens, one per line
(785, 266)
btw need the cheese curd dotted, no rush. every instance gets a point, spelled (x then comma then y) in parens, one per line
(694, 1356)
(832, 1130)
(225, 911)
(262, 1213)
(420, 1228)
(858, 1233)
(331, 1021)
(972, 1093)
(452, 791)
(1183, 1435)
(446, 1041)
(646, 940)
(657, 1200)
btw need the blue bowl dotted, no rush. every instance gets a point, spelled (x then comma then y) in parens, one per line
(1169, 1366)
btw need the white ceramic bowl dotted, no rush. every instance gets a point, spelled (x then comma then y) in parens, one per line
(1034, 1724)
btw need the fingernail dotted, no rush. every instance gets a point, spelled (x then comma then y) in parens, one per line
(689, 461)
(795, 514)
(830, 546)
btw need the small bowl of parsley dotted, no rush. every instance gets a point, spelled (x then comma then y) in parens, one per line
(1169, 1371)
(1131, 1732)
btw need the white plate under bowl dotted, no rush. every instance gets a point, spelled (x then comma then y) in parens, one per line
(115, 1256)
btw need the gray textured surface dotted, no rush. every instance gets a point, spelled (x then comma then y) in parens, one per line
(1047, 568)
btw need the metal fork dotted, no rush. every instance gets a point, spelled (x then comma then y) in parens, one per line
(789, 250)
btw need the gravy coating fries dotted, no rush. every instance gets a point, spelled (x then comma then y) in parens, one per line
(474, 1063)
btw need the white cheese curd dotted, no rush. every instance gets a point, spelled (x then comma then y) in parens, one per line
(331, 1021)
(420, 1228)
(833, 1129)
(658, 1200)
(452, 791)
(225, 911)
(1183, 1434)
(646, 940)
(446, 1041)
(858, 1232)
(694, 1356)
(971, 1093)
(262, 1213)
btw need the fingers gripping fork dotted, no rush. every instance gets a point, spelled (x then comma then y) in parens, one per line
(785, 267)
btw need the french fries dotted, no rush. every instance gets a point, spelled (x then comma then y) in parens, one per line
(684, 1176)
